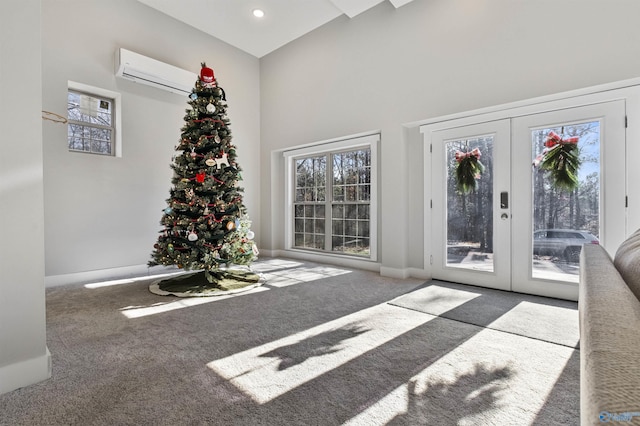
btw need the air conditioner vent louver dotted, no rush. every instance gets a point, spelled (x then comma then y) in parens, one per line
(144, 70)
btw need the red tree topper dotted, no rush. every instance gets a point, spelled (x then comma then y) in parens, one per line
(206, 74)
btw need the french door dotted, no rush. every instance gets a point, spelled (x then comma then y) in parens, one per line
(501, 218)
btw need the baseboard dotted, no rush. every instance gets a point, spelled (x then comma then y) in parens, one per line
(25, 373)
(420, 273)
(385, 271)
(271, 253)
(401, 273)
(344, 261)
(404, 273)
(144, 270)
(105, 274)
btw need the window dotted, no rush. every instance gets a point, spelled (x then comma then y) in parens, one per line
(332, 203)
(92, 115)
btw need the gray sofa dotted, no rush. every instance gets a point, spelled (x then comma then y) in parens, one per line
(609, 306)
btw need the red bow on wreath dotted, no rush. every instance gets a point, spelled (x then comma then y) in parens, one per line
(554, 141)
(462, 155)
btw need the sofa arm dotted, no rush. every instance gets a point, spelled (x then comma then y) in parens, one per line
(609, 340)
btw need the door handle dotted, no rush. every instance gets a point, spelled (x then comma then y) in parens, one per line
(504, 200)
(504, 216)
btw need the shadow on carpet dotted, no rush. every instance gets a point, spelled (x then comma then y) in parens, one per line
(546, 319)
(195, 284)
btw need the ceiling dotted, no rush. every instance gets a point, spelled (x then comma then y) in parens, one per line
(232, 21)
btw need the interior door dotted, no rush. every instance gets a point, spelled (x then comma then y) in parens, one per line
(516, 226)
(551, 222)
(471, 227)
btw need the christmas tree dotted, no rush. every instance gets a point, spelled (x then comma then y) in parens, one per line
(206, 227)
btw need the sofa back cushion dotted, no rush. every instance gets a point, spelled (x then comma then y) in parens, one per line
(627, 262)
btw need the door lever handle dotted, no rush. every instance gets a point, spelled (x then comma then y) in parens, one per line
(504, 200)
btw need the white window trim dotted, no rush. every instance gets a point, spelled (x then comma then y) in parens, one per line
(117, 100)
(358, 141)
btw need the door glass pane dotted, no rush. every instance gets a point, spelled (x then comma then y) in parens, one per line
(469, 210)
(565, 214)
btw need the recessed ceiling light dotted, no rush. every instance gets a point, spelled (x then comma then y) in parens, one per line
(258, 13)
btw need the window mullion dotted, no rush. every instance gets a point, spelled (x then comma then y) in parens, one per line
(94, 125)
(328, 210)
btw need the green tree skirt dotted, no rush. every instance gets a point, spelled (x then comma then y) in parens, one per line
(195, 284)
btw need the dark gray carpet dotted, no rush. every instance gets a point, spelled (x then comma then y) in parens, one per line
(315, 345)
(550, 320)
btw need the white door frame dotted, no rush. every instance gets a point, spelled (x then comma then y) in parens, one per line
(611, 116)
(628, 90)
(499, 277)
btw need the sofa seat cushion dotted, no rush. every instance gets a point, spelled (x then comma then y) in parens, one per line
(627, 262)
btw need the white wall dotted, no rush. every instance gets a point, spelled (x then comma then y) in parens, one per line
(24, 358)
(388, 67)
(104, 212)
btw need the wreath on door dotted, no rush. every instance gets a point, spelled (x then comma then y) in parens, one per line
(468, 170)
(560, 159)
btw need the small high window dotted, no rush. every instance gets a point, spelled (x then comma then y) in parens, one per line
(92, 120)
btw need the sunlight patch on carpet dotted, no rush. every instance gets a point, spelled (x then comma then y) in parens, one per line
(132, 312)
(271, 265)
(303, 274)
(493, 378)
(109, 283)
(550, 320)
(273, 369)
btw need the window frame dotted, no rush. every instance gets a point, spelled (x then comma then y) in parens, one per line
(102, 94)
(328, 148)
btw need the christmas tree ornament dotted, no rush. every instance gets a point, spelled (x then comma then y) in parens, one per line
(230, 225)
(224, 159)
(251, 235)
(192, 236)
(560, 159)
(216, 138)
(194, 96)
(200, 177)
(468, 170)
(211, 108)
(170, 248)
(193, 153)
(168, 210)
(210, 162)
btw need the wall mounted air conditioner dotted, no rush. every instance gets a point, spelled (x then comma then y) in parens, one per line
(141, 69)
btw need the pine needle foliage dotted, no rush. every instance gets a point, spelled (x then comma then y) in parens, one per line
(562, 163)
(467, 174)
